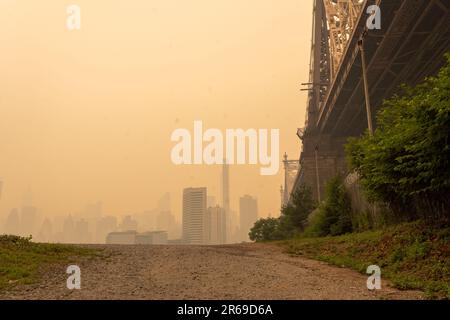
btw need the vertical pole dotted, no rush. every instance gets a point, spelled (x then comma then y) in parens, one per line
(281, 198)
(226, 198)
(286, 189)
(366, 86)
(317, 173)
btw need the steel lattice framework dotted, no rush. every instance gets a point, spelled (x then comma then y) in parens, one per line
(355, 67)
(334, 22)
(342, 16)
(291, 169)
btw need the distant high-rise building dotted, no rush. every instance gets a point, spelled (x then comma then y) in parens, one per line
(28, 217)
(82, 234)
(69, 230)
(215, 223)
(165, 221)
(13, 223)
(104, 226)
(248, 214)
(129, 224)
(225, 187)
(226, 200)
(194, 211)
(164, 203)
(211, 202)
(233, 227)
(46, 232)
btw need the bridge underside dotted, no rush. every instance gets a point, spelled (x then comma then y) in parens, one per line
(413, 38)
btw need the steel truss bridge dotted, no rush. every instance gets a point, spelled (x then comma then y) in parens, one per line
(355, 66)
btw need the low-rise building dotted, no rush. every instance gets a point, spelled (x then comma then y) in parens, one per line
(152, 237)
(125, 237)
(132, 237)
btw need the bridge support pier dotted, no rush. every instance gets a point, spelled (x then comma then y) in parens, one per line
(322, 158)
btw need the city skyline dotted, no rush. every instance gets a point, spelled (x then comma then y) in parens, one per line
(216, 224)
(92, 224)
(95, 123)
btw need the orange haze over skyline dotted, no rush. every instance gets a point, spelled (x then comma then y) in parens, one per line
(87, 115)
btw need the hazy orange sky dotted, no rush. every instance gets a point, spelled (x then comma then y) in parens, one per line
(87, 115)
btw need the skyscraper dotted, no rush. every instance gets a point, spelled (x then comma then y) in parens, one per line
(215, 226)
(226, 199)
(248, 215)
(46, 231)
(104, 226)
(211, 202)
(12, 225)
(194, 212)
(128, 224)
(69, 230)
(225, 188)
(82, 234)
(164, 203)
(165, 221)
(28, 219)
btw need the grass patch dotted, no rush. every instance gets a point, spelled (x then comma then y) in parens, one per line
(20, 258)
(413, 255)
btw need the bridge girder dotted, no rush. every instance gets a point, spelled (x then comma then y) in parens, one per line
(342, 16)
(333, 24)
(408, 47)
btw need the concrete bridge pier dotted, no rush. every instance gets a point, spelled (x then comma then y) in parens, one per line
(323, 158)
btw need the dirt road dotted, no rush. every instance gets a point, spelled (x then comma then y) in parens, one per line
(245, 271)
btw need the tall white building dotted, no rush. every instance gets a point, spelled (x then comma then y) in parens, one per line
(194, 215)
(216, 226)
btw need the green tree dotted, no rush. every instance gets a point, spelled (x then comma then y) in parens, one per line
(406, 163)
(266, 230)
(294, 216)
(334, 216)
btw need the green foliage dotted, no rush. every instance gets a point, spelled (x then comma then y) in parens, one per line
(406, 163)
(266, 230)
(293, 219)
(20, 258)
(412, 255)
(334, 214)
(294, 216)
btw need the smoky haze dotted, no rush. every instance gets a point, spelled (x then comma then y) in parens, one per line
(86, 116)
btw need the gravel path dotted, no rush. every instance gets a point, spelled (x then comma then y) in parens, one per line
(244, 271)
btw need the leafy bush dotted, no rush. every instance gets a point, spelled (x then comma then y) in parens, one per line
(293, 219)
(406, 163)
(266, 230)
(14, 240)
(294, 216)
(334, 214)
(412, 255)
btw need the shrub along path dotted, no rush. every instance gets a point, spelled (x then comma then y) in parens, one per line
(412, 256)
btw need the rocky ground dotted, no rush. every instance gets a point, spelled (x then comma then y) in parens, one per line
(244, 271)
